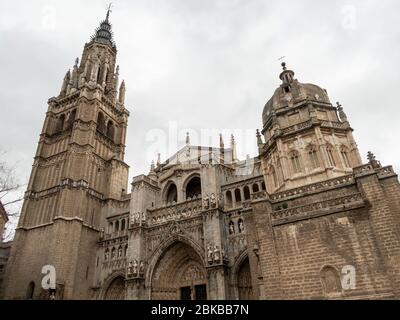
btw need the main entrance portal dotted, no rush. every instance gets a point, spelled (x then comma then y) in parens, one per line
(179, 274)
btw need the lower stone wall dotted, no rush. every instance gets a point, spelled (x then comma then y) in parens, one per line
(307, 250)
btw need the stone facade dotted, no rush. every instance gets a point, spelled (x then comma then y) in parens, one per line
(306, 219)
(3, 221)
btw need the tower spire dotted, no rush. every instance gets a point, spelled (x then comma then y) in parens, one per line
(103, 33)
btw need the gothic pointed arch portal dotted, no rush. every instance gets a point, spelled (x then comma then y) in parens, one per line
(179, 274)
(115, 290)
(244, 281)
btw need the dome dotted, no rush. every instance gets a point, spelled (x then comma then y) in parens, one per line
(292, 92)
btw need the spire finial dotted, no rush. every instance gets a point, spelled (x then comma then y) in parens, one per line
(372, 160)
(108, 11)
(187, 139)
(221, 141)
(283, 64)
(158, 159)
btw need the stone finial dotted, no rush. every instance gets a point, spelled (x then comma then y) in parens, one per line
(122, 92)
(342, 114)
(221, 141)
(259, 138)
(65, 84)
(158, 159)
(372, 160)
(187, 138)
(233, 147)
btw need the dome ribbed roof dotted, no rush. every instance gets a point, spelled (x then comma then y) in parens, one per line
(292, 91)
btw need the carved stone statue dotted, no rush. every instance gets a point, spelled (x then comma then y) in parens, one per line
(241, 226)
(231, 228)
(213, 201)
(206, 201)
(217, 254)
(220, 199)
(119, 252)
(135, 268)
(130, 268)
(210, 254)
(144, 217)
(137, 218)
(141, 268)
(102, 231)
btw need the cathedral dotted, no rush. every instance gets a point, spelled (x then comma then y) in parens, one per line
(304, 219)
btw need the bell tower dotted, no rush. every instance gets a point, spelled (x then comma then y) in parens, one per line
(78, 167)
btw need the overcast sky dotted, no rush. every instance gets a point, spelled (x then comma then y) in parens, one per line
(202, 64)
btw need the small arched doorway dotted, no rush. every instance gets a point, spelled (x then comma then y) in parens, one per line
(179, 274)
(116, 289)
(244, 281)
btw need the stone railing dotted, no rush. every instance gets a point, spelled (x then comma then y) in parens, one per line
(311, 188)
(385, 171)
(259, 195)
(66, 183)
(311, 209)
(180, 211)
(334, 124)
(297, 127)
(113, 235)
(364, 169)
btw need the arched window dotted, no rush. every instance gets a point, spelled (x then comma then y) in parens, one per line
(106, 254)
(110, 130)
(60, 123)
(71, 119)
(313, 156)
(30, 291)
(238, 196)
(274, 177)
(172, 194)
(99, 74)
(331, 158)
(228, 197)
(116, 226)
(331, 281)
(246, 191)
(125, 250)
(123, 225)
(263, 186)
(345, 157)
(120, 252)
(193, 188)
(256, 188)
(231, 227)
(295, 161)
(113, 253)
(240, 226)
(100, 122)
